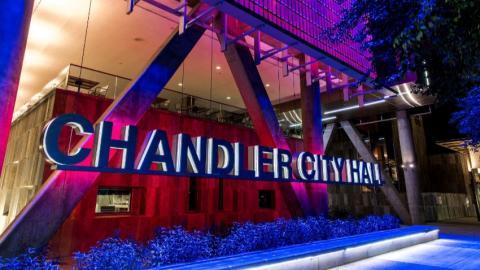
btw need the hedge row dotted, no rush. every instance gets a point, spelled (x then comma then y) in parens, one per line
(177, 245)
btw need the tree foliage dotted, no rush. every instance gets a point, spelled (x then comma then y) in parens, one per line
(440, 37)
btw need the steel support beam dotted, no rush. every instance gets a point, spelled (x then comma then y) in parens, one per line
(131, 5)
(410, 168)
(229, 7)
(260, 109)
(14, 23)
(388, 189)
(327, 135)
(174, 11)
(312, 130)
(61, 192)
(274, 51)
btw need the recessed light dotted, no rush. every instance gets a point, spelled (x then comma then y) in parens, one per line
(229, 97)
(180, 84)
(218, 67)
(267, 85)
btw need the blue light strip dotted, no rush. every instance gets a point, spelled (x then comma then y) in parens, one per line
(321, 254)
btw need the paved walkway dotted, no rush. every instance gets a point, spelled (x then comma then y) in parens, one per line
(457, 248)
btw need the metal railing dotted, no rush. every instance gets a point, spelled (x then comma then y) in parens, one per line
(98, 83)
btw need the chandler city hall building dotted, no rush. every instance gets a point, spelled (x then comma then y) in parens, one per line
(255, 72)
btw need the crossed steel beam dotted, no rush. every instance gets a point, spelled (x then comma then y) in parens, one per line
(58, 196)
(46, 212)
(391, 193)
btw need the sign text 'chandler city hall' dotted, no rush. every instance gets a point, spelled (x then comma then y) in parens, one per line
(199, 156)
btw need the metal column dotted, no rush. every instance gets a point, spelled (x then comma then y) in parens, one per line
(410, 168)
(312, 133)
(15, 20)
(61, 192)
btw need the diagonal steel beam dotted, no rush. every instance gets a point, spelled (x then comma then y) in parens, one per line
(388, 189)
(327, 135)
(61, 192)
(260, 109)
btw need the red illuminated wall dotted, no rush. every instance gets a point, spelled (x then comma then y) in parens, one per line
(160, 200)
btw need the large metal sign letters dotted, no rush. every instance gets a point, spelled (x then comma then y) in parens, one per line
(198, 156)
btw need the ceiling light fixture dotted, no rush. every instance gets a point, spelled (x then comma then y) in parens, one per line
(267, 85)
(355, 106)
(229, 97)
(401, 93)
(180, 84)
(323, 120)
(374, 102)
(408, 90)
(329, 118)
(218, 67)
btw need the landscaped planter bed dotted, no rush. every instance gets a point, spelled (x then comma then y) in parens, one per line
(176, 245)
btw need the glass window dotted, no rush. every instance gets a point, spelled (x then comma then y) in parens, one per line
(113, 200)
(266, 199)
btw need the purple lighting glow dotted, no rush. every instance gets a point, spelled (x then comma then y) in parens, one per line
(306, 20)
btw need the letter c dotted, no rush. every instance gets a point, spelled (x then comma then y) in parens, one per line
(51, 135)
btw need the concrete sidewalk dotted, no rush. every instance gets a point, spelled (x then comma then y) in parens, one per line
(457, 248)
(462, 226)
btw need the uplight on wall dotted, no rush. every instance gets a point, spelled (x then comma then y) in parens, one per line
(408, 165)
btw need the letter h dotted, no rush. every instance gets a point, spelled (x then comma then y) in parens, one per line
(104, 142)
